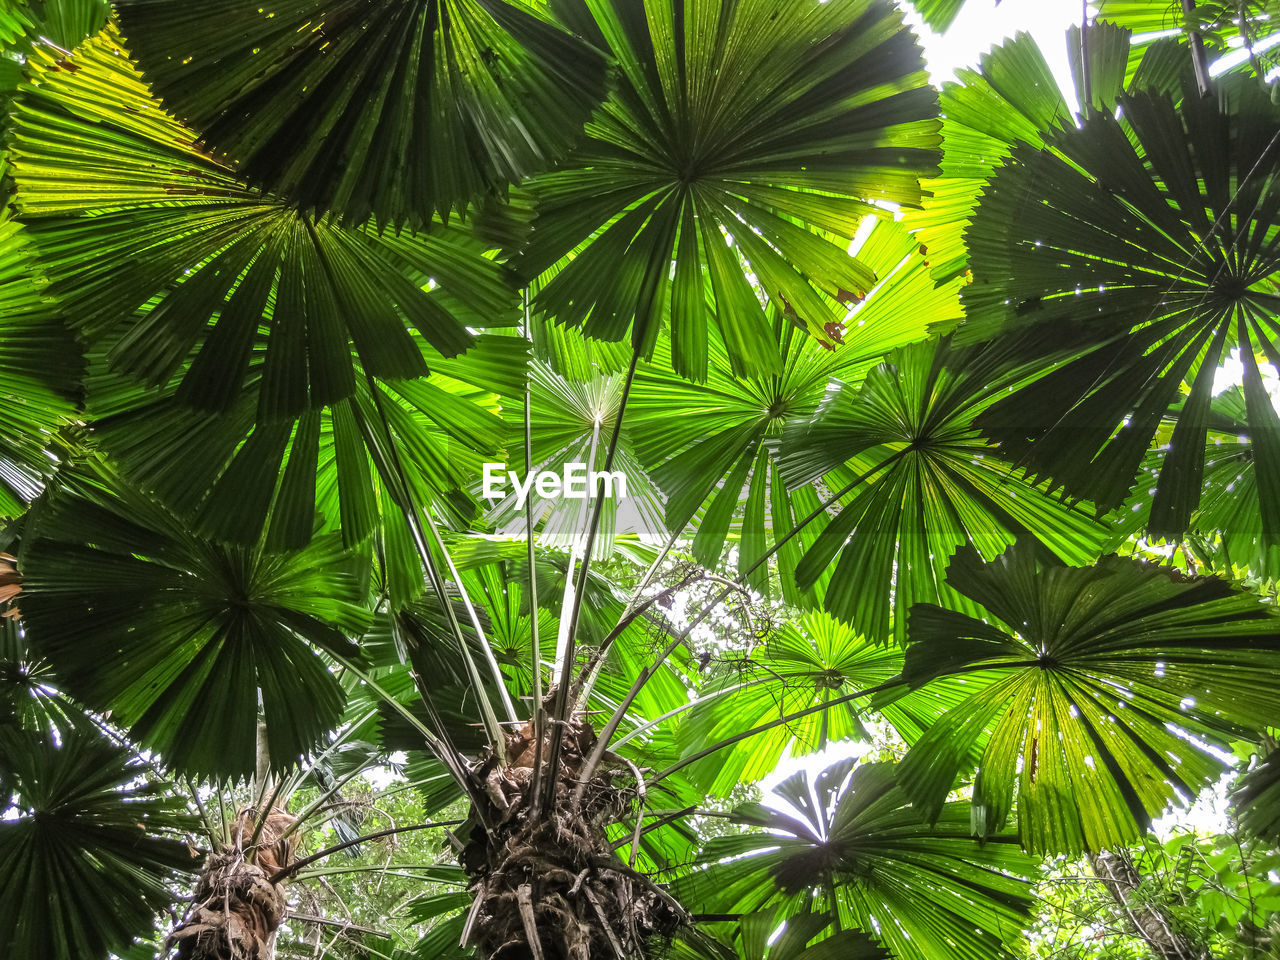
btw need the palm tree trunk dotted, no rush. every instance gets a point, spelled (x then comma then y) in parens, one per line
(1116, 871)
(239, 903)
(551, 887)
(235, 916)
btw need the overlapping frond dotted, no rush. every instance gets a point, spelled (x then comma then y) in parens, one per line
(734, 154)
(397, 108)
(178, 636)
(1111, 687)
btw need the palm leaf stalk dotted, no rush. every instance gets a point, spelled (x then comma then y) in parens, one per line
(392, 469)
(562, 699)
(537, 708)
(239, 899)
(1199, 59)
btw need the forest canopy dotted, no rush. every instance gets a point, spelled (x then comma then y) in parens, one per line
(618, 480)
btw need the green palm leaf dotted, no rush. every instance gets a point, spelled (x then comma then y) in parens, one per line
(1226, 528)
(927, 892)
(724, 127)
(29, 697)
(90, 857)
(1241, 36)
(938, 14)
(1148, 248)
(1256, 798)
(68, 22)
(62, 22)
(14, 22)
(718, 460)
(40, 371)
(1013, 97)
(401, 107)
(232, 474)
(101, 168)
(751, 938)
(187, 635)
(572, 422)
(932, 485)
(811, 660)
(1111, 687)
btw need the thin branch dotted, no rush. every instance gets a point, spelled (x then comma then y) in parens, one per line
(204, 817)
(344, 924)
(581, 687)
(392, 870)
(453, 762)
(323, 798)
(781, 721)
(297, 865)
(897, 681)
(687, 705)
(653, 569)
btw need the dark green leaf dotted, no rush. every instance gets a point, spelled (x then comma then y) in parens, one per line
(930, 485)
(91, 854)
(407, 107)
(188, 635)
(1144, 249)
(103, 172)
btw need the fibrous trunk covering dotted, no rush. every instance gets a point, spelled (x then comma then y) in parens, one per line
(236, 909)
(551, 887)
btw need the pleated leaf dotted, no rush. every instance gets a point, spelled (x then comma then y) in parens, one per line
(938, 14)
(1226, 528)
(40, 371)
(395, 108)
(68, 22)
(15, 20)
(739, 150)
(932, 484)
(572, 424)
(811, 660)
(93, 852)
(926, 892)
(717, 463)
(1256, 798)
(1111, 687)
(1146, 247)
(233, 475)
(29, 697)
(803, 936)
(177, 636)
(1231, 45)
(1013, 97)
(126, 212)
